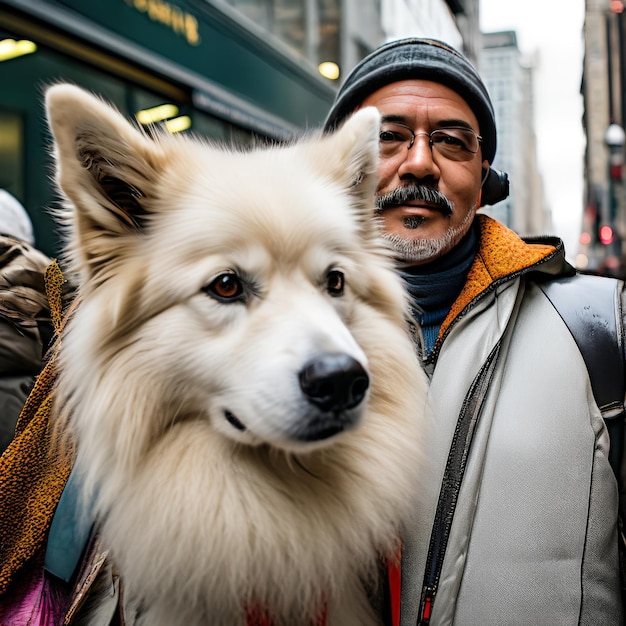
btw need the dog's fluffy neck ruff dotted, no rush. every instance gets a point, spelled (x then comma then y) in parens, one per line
(286, 511)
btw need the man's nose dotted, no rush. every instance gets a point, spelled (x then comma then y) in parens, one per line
(419, 161)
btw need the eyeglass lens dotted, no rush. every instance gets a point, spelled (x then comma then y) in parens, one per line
(455, 143)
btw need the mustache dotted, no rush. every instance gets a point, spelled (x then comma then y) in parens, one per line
(408, 193)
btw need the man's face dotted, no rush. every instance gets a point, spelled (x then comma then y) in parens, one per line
(418, 222)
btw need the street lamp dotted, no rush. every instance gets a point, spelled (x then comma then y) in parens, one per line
(614, 138)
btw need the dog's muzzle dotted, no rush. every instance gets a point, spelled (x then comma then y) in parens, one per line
(334, 384)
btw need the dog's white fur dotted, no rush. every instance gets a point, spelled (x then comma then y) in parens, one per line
(202, 518)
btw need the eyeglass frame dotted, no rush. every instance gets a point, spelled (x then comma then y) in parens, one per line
(414, 135)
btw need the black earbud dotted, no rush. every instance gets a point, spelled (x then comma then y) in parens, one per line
(495, 186)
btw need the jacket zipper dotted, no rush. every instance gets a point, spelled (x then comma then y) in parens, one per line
(451, 484)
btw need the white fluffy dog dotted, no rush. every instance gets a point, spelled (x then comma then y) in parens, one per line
(237, 374)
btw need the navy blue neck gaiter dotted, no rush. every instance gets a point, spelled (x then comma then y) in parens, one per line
(435, 286)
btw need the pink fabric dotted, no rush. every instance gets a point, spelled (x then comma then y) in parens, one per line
(34, 600)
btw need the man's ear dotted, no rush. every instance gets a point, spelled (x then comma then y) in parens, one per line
(484, 172)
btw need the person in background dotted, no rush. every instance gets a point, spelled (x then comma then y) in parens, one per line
(519, 515)
(25, 324)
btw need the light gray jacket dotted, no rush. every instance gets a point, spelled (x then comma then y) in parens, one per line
(533, 539)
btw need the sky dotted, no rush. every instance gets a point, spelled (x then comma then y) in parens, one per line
(551, 32)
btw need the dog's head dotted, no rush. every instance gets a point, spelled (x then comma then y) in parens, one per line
(246, 290)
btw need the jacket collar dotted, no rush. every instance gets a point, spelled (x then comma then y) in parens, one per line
(502, 256)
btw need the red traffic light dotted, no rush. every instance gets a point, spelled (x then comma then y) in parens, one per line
(606, 235)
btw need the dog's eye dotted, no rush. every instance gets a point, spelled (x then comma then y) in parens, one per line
(226, 286)
(334, 283)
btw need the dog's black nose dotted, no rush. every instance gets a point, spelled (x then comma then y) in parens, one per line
(334, 382)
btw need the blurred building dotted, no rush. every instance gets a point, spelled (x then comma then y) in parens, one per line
(602, 244)
(468, 22)
(509, 79)
(229, 70)
(422, 19)
(226, 70)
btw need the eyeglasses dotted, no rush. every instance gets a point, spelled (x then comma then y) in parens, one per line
(456, 143)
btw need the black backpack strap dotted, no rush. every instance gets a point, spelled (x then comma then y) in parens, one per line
(591, 308)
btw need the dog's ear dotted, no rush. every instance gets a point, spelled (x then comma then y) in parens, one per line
(353, 155)
(105, 167)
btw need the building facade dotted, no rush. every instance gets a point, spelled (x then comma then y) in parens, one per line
(225, 71)
(416, 18)
(509, 79)
(602, 245)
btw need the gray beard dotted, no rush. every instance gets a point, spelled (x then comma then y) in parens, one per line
(412, 250)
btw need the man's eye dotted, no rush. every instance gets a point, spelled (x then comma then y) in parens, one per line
(226, 287)
(388, 136)
(335, 283)
(449, 140)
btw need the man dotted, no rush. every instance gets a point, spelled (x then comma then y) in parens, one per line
(25, 324)
(518, 523)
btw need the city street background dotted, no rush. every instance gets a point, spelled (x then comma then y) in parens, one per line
(552, 39)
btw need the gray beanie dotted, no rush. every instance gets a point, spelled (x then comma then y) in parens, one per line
(426, 59)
